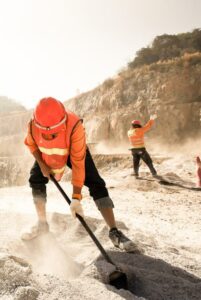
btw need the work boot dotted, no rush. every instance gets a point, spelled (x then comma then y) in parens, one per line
(156, 176)
(121, 241)
(39, 229)
(153, 171)
(135, 175)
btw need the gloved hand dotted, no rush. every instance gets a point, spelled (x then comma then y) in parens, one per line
(45, 169)
(153, 117)
(76, 208)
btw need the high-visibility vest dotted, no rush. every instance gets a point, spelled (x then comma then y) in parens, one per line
(55, 152)
(136, 139)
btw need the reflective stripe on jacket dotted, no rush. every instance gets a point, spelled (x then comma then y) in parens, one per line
(136, 135)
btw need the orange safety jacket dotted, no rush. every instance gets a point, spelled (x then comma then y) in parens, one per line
(136, 135)
(55, 151)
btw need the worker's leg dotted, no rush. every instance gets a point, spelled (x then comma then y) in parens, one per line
(98, 190)
(38, 184)
(136, 162)
(148, 161)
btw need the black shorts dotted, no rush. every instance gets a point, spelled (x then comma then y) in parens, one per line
(94, 182)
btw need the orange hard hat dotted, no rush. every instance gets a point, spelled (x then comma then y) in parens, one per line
(135, 122)
(49, 115)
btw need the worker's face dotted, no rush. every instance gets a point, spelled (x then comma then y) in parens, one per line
(50, 136)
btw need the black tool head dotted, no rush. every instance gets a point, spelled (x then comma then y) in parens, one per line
(119, 280)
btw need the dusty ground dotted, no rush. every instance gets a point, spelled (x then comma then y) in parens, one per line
(164, 220)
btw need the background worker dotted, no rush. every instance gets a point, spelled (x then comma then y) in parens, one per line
(198, 171)
(136, 138)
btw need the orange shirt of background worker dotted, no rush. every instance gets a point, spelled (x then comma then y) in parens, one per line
(136, 135)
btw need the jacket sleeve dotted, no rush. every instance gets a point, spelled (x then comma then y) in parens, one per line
(146, 127)
(29, 141)
(77, 155)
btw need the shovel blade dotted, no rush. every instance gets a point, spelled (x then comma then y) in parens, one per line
(119, 280)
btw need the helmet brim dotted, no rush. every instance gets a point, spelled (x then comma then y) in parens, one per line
(51, 129)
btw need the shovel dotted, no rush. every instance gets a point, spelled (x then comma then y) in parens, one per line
(117, 278)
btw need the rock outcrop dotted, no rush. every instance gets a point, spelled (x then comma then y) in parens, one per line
(170, 89)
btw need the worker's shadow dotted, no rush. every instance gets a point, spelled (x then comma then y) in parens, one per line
(172, 180)
(152, 278)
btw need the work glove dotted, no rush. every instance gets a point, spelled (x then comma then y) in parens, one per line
(76, 208)
(153, 117)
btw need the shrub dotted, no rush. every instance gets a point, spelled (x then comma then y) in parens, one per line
(166, 47)
(108, 83)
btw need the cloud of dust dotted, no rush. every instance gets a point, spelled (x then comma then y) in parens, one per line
(47, 256)
(189, 149)
(106, 147)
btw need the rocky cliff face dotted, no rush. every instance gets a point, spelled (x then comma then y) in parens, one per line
(172, 90)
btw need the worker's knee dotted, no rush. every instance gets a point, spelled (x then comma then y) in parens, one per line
(39, 192)
(38, 199)
(105, 202)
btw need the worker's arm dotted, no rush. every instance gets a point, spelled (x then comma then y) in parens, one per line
(45, 169)
(29, 141)
(146, 127)
(77, 157)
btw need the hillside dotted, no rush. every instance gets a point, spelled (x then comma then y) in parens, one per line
(9, 106)
(171, 89)
(13, 121)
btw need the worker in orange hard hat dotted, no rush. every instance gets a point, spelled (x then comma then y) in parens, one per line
(136, 138)
(56, 138)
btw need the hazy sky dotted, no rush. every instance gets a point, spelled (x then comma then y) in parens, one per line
(57, 47)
